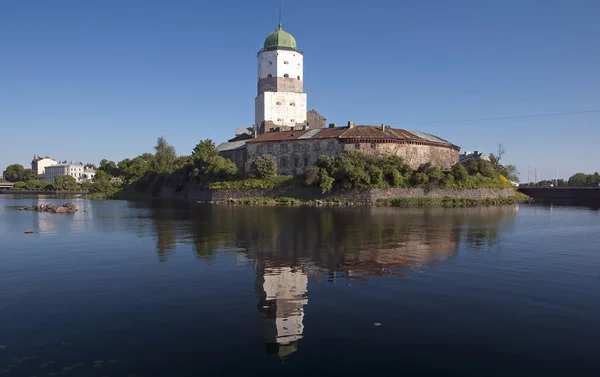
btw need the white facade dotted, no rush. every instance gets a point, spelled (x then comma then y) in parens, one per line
(77, 171)
(280, 63)
(282, 108)
(40, 164)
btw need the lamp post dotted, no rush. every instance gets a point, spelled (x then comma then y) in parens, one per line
(529, 173)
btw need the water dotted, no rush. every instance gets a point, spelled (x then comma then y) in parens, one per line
(181, 289)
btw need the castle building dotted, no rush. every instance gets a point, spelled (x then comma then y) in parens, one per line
(39, 164)
(297, 138)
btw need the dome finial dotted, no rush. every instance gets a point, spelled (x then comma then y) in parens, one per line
(280, 16)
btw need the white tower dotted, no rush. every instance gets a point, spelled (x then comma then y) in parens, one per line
(281, 101)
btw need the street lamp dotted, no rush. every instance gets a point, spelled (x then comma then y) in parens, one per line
(529, 173)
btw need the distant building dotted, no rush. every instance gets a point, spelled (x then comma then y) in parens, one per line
(39, 164)
(466, 156)
(6, 185)
(75, 170)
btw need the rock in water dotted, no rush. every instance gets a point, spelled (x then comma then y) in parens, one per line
(61, 210)
(69, 205)
(51, 207)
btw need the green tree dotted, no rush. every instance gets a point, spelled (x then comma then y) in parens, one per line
(33, 184)
(29, 175)
(132, 170)
(420, 179)
(265, 166)
(14, 173)
(66, 182)
(512, 174)
(204, 150)
(49, 186)
(460, 173)
(90, 166)
(19, 186)
(164, 156)
(219, 168)
(109, 167)
(578, 180)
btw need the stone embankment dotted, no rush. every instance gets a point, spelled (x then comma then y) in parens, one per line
(364, 196)
(65, 208)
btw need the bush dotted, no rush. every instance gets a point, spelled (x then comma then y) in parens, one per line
(265, 166)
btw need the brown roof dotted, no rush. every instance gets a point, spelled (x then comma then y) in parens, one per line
(353, 133)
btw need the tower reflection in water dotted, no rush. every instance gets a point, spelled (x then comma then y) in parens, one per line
(281, 293)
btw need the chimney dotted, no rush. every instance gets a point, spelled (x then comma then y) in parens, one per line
(331, 125)
(350, 124)
(382, 127)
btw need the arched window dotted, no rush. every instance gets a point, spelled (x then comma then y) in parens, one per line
(286, 75)
(291, 120)
(269, 75)
(278, 103)
(298, 77)
(286, 62)
(292, 104)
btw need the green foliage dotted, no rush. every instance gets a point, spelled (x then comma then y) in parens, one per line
(49, 186)
(109, 167)
(264, 166)
(204, 151)
(65, 182)
(90, 166)
(253, 182)
(34, 184)
(448, 202)
(19, 186)
(460, 173)
(164, 156)
(355, 170)
(582, 179)
(86, 186)
(17, 173)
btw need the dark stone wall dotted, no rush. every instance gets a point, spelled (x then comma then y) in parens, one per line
(315, 120)
(280, 84)
(585, 196)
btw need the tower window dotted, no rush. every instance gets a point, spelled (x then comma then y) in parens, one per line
(286, 75)
(269, 75)
(279, 103)
(291, 120)
(270, 63)
(279, 119)
(283, 162)
(373, 146)
(286, 62)
(298, 77)
(292, 104)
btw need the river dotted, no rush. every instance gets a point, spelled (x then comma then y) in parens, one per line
(166, 288)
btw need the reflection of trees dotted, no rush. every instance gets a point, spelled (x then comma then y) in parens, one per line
(364, 241)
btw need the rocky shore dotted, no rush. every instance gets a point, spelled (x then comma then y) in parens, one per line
(65, 208)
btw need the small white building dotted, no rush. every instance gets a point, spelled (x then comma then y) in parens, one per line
(39, 164)
(75, 170)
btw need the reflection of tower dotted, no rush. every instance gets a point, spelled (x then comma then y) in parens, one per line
(281, 291)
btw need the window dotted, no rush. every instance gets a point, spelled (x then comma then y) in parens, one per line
(291, 120)
(357, 146)
(283, 162)
(292, 104)
(286, 62)
(330, 146)
(296, 162)
(270, 148)
(373, 146)
(298, 77)
(270, 63)
(278, 103)
(269, 75)
(279, 119)
(305, 161)
(286, 75)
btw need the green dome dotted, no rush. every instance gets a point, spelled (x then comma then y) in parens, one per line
(280, 40)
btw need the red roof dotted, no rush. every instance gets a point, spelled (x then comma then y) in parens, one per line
(375, 133)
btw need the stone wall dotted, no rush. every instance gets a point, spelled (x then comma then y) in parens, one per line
(315, 120)
(293, 157)
(413, 154)
(279, 84)
(365, 196)
(238, 156)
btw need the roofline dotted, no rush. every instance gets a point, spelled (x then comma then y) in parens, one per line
(279, 48)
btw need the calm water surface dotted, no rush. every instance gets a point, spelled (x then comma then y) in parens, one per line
(182, 289)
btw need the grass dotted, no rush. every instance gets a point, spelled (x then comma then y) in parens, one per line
(449, 202)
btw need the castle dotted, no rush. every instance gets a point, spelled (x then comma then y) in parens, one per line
(297, 138)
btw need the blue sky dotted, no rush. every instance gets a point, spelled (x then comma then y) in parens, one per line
(86, 80)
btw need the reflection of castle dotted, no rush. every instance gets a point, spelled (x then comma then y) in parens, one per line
(281, 291)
